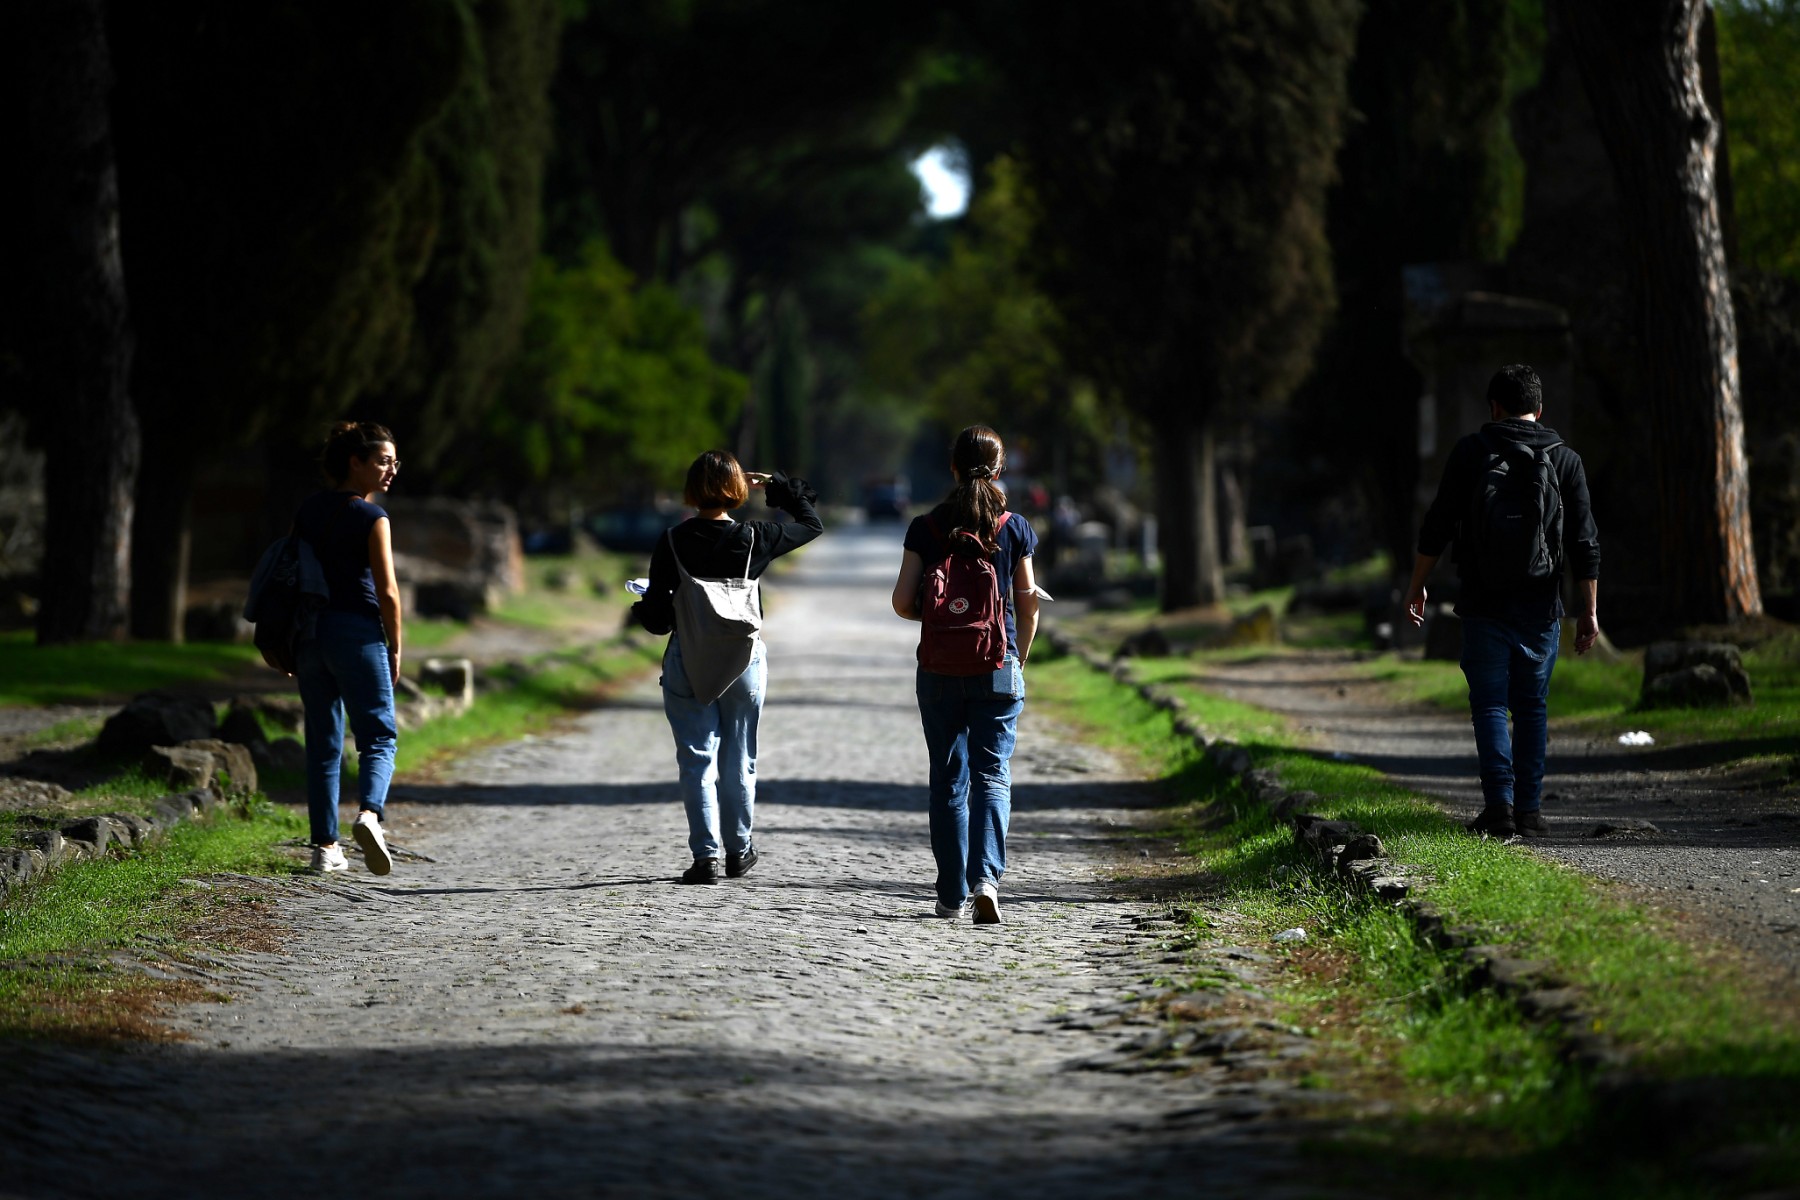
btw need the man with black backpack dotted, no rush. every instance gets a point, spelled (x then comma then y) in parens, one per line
(1514, 499)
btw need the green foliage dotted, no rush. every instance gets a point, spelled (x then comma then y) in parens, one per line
(486, 155)
(1759, 68)
(613, 390)
(1179, 162)
(277, 201)
(974, 335)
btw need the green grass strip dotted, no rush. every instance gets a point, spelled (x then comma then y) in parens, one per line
(1475, 1082)
(1684, 1012)
(112, 902)
(33, 674)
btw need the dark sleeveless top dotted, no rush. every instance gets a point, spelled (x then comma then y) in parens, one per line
(339, 533)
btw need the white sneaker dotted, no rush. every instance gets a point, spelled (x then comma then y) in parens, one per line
(987, 903)
(951, 914)
(372, 843)
(327, 859)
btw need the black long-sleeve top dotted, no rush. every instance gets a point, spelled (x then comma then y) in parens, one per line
(1540, 600)
(718, 549)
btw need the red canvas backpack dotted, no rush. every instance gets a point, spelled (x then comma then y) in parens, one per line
(962, 608)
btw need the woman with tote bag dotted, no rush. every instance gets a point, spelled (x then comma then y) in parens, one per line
(703, 587)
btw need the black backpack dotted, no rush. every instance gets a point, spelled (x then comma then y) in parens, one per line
(1516, 520)
(279, 604)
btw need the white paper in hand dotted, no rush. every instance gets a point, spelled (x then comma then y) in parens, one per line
(637, 587)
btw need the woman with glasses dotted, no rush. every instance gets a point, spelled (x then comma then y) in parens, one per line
(351, 662)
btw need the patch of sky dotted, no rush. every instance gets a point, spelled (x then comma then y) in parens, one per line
(944, 173)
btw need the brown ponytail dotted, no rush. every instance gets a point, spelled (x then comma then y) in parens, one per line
(977, 501)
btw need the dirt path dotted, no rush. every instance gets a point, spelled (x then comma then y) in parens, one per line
(1689, 833)
(544, 1011)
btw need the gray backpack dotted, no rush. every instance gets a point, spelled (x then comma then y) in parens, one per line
(718, 622)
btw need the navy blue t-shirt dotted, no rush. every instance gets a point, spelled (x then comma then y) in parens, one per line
(339, 533)
(1017, 540)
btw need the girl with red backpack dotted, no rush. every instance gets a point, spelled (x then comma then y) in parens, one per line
(966, 577)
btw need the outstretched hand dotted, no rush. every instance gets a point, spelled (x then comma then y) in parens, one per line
(758, 478)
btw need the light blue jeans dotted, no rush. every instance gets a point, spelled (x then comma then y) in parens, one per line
(971, 724)
(1508, 667)
(715, 751)
(344, 666)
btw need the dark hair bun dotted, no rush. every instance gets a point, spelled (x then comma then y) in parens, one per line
(347, 440)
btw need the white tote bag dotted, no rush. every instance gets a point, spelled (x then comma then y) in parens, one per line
(718, 622)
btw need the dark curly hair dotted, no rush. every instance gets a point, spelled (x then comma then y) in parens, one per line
(348, 440)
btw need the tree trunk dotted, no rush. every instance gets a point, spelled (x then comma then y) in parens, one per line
(1639, 62)
(160, 538)
(1234, 503)
(80, 369)
(1187, 511)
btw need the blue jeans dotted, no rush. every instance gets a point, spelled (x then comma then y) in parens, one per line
(715, 750)
(1508, 668)
(344, 666)
(971, 723)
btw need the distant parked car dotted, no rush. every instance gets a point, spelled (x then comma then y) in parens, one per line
(887, 499)
(555, 540)
(633, 530)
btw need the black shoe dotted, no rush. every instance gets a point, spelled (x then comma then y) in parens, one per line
(739, 864)
(1495, 822)
(1531, 823)
(704, 870)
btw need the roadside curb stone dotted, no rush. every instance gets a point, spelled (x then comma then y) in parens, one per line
(1357, 859)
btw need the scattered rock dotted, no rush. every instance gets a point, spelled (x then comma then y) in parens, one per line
(93, 832)
(240, 725)
(1362, 846)
(456, 599)
(46, 842)
(1229, 757)
(155, 719)
(1624, 825)
(285, 711)
(217, 621)
(231, 758)
(31, 793)
(455, 677)
(180, 767)
(15, 867)
(1145, 643)
(1291, 935)
(170, 811)
(1694, 675)
(130, 829)
(282, 754)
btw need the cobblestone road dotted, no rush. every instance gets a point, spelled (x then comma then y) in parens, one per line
(542, 1011)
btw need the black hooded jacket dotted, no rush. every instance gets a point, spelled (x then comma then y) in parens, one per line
(1540, 600)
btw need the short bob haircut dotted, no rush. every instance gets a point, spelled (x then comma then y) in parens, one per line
(716, 481)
